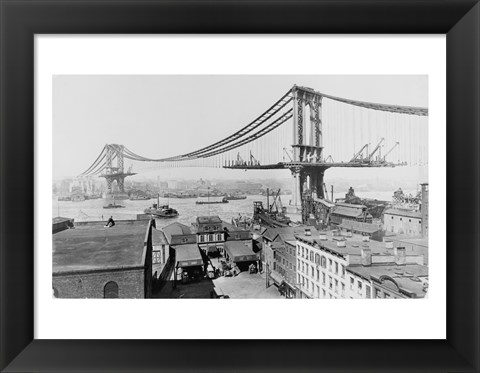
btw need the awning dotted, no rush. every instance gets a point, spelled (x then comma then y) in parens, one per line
(188, 256)
(277, 277)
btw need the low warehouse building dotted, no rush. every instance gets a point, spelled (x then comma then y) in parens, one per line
(92, 261)
(241, 253)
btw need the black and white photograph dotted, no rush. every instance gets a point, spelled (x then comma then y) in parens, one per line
(240, 186)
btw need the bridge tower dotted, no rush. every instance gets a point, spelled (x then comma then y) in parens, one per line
(308, 145)
(115, 173)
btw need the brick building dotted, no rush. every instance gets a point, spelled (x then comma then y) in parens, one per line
(92, 261)
(280, 254)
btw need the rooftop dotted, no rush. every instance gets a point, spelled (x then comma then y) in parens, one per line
(188, 252)
(401, 212)
(93, 247)
(176, 229)
(158, 237)
(347, 211)
(354, 244)
(208, 220)
(406, 277)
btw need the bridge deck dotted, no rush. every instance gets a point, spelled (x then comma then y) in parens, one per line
(281, 165)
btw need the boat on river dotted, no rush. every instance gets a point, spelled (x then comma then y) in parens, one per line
(224, 200)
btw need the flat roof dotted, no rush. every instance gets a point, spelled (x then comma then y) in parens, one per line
(401, 212)
(354, 244)
(93, 247)
(208, 220)
(240, 250)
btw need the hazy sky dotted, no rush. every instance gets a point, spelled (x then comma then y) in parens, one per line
(160, 116)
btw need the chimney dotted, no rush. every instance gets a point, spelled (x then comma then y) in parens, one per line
(323, 236)
(389, 244)
(400, 255)
(308, 232)
(366, 238)
(366, 256)
(341, 243)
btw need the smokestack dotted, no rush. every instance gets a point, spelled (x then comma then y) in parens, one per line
(323, 236)
(341, 243)
(308, 232)
(366, 238)
(366, 256)
(400, 255)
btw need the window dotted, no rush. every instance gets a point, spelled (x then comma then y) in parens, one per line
(330, 284)
(303, 252)
(324, 293)
(210, 237)
(184, 240)
(343, 271)
(303, 267)
(219, 237)
(336, 286)
(387, 295)
(110, 290)
(367, 290)
(323, 261)
(409, 220)
(317, 259)
(336, 268)
(306, 253)
(311, 256)
(156, 258)
(392, 217)
(400, 219)
(330, 264)
(343, 289)
(318, 291)
(378, 293)
(323, 278)
(313, 271)
(298, 263)
(318, 275)
(202, 238)
(359, 287)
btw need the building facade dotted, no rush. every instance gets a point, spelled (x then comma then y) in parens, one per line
(92, 261)
(403, 221)
(333, 266)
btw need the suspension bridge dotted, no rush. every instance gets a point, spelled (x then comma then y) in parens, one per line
(306, 132)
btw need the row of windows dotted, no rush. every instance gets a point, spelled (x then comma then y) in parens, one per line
(335, 267)
(210, 237)
(318, 259)
(409, 220)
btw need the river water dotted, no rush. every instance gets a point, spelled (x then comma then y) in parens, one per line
(92, 210)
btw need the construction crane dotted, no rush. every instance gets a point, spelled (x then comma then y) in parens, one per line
(253, 160)
(369, 158)
(387, 153)
(355, 157)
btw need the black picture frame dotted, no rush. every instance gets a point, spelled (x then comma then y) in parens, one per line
(21, 20)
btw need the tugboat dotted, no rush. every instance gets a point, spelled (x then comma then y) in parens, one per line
(208, 202)
(113, 205)
(164, 211)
